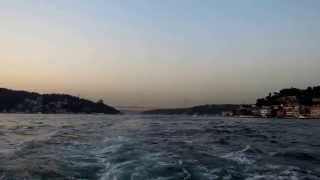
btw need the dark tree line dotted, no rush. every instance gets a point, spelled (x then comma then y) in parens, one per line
(302, 96)
(29, 102)
(198, 110)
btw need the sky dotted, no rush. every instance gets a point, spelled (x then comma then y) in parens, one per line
(160, 53)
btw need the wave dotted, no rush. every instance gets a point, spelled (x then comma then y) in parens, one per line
(248, 155)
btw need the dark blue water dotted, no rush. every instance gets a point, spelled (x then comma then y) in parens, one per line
(157, 147)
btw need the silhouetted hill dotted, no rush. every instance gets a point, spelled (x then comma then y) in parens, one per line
(307, 97)
(12, 101)
(197, 110)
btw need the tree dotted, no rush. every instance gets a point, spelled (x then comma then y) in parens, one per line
(100, 101)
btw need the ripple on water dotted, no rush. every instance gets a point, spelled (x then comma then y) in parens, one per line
(158, 148)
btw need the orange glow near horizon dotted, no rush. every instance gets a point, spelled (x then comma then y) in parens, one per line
(150, 58)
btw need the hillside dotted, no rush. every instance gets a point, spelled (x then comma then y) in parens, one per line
(12, 101)
(290, 102)
(306, 97)
(197, 110)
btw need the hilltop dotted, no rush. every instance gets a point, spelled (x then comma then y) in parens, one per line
(12, 101)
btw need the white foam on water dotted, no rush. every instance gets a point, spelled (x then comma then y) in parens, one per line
(240, 156)
(290, 173)
(273, 177)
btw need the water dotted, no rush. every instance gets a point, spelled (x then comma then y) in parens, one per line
(134, 147)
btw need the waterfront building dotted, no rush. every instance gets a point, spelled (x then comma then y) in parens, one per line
(265, 112)
(291, 111)
(315, 111)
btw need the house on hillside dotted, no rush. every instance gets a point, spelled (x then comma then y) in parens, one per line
(315, 111)
(246, 110)
(291, 111)
(265, 112)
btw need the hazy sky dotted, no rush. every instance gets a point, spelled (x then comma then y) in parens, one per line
(160, 52)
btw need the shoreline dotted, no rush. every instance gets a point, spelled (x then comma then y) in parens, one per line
(142, 114)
